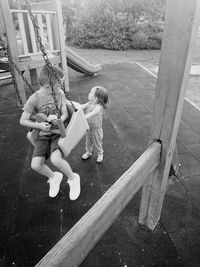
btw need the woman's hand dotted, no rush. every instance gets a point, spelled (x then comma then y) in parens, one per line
(45, 126)
(52, 119)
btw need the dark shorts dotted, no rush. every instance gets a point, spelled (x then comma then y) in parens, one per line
(45, 145)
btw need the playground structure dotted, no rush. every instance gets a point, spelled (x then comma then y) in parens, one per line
(24, 48)
(151, 170)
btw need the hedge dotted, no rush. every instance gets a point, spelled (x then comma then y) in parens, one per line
(107, 33)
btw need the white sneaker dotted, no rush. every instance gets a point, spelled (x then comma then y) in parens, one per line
(100, 158)
(54, 184)
(74, 186)
(87, 155)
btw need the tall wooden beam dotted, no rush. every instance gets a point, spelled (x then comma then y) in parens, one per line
(71, 250)
(2, 27)
(180, 32)
(12, 43)
(63, 55)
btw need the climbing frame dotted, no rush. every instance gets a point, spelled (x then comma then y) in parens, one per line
(18, 31)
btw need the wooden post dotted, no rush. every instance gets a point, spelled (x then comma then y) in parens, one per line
(62, 48)
(174, 169)
(180, 31)
(12, 43)
(33, 76)
(2, 27)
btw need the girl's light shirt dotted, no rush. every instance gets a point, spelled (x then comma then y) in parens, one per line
(95, 121)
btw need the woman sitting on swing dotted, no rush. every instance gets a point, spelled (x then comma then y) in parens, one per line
(46, 144)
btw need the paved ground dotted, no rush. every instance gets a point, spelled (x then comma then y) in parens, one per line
(31, 223)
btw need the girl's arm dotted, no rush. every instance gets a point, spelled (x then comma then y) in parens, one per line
(94, 112)
(84, 106)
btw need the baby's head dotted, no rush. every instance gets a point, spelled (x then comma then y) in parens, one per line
(44, 76)
(101, 95)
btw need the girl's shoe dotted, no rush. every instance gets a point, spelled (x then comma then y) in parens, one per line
(100, 158)
(87, 155)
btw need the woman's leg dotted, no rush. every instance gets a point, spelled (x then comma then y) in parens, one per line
(74, 179)
(38, 165)
(60, 163)
(29, 137)
(55, 178)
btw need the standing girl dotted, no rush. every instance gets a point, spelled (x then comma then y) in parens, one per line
(98, 101)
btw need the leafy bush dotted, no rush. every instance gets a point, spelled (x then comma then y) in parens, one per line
(115, 34)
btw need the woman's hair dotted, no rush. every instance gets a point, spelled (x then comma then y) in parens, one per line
(44, 76)
(101, 94)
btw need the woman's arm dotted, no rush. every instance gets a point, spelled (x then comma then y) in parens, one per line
(94, 112)
(25, 121)
(64, 112)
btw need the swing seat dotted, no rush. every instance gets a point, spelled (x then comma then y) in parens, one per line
(76, 127)
(75, 131)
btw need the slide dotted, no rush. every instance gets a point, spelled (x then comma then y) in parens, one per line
(74, 61)
(77, 63)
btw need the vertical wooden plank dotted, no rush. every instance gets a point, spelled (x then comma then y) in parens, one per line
(32, 72)
(22, 32)
(32, 34)
(180, 32)
(2, 27)
(41, 29)
(62, 48)
(174, 169)
(27, 32)
(33, 76)
(12, 43)
(55, 36)
(49, 31)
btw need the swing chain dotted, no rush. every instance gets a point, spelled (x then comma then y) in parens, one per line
(11, 66)
(49, 66)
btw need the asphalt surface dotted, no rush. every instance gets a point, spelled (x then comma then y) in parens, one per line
(31, 223)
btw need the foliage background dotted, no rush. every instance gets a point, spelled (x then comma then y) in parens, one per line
(112, 24)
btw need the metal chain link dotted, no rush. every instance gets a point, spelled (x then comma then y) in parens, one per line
(13, 64)
(48, 64)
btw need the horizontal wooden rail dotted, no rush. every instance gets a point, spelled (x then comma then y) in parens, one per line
(33, 11)
(71, 250)
(49, 52)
